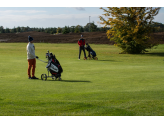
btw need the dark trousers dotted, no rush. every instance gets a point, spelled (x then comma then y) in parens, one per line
(82, 48)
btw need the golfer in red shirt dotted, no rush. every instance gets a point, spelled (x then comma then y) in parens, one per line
(81, 43)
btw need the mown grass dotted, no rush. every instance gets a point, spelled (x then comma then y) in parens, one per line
(115, 85)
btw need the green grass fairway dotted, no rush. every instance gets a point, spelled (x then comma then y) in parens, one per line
(115, 85)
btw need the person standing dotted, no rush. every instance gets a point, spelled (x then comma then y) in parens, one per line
(81, 43)
(31, 58)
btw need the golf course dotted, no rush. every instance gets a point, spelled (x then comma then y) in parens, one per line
(114, 85)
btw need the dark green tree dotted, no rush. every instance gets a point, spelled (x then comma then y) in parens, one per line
(7, 30)
(93, 27)
(18, 29)
(54, 30)
(77, 30)
(72, 29)
(2, 30)
(81, 29)
(14, 30)
(65, 30)
(87, 27)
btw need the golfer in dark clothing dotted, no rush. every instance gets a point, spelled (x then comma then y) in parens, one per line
(81, 43)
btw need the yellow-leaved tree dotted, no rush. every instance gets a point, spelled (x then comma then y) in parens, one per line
(130, 27)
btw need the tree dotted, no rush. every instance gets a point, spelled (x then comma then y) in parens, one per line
(22, 29)
(14, 30)
(18, 29)
(42, 29)
(59, 30)
(27, 28)
(81, 29)
(1, 29)
(65, 30)
(7, 30)
(90, 27)
(77, 29)
(54, 30)
(158, 27)
(72, 29)
(93, 27)
(130, 27)
(87, 27)
(69, 29)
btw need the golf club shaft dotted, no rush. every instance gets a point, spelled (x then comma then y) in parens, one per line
(41, 60)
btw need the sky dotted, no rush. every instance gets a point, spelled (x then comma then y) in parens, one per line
(60, 14)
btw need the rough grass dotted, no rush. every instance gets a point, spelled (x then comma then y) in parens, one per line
(115, 85)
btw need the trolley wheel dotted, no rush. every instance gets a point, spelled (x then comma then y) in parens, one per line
(44, 77)
(96, 58)
(54, 78)
(90, 58)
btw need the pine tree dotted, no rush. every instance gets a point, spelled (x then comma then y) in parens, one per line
(65, 30)
(130, 27)
(1, 29)
(18, 29)
(72, 29)
(7, 30)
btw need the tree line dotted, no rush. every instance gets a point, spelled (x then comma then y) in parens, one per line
(90, 27)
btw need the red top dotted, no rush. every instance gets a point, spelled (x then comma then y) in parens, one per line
(81, 42)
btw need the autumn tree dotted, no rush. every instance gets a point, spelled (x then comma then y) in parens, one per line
(59, 30)
(130, 27)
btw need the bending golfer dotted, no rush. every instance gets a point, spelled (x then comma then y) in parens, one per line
(81, 43)
(31, 58)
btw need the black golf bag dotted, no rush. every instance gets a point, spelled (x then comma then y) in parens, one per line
(93, 53)
(90, 51)
(54, 66)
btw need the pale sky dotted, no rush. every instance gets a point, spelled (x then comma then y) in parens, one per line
(48, 13)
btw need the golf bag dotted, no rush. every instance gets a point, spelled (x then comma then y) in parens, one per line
(54, 66)
(90, 51)
(93, 53)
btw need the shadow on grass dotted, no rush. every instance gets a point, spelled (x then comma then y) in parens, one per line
(155, 54)
(105, 60)
(67, 80)
(74, 81)
(108, 60)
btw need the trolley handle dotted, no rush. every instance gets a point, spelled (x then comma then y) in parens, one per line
(48, 55)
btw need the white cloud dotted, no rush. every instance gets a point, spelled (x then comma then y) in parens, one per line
(77, 8)
(80, 8)
(18, 18)
(43, 18)
(19, 12)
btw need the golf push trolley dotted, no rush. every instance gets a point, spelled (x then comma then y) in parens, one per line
(90, 58)
(53, 67)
